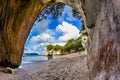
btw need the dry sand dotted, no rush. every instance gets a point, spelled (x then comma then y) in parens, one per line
(69, 67)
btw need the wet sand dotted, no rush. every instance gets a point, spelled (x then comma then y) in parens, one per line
(68, 67)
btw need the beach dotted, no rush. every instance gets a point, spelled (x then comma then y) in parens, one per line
(68, 67)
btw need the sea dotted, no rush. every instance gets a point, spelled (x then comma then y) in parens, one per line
(28, 58)
(34, 57)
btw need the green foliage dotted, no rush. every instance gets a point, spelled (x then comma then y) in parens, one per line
(74, 45)
(83, 25)
(79, 38)
(55, 11)
(70, 45)
(76, 14)
(50, 47)
(57, 47)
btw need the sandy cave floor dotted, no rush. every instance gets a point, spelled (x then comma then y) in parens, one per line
(69, 67)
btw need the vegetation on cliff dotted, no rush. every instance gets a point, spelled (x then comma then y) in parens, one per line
(72, 45)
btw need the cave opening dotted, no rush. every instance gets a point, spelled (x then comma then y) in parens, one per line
(56, 26)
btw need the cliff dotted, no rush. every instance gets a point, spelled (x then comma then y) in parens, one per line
(71, 46)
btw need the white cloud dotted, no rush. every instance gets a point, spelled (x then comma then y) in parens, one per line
(69, 31)
(44, 37)
(50, 32)
(38, 27)
(38, 48)
(38, 43)
(41, 26)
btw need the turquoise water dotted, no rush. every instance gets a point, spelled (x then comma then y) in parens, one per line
(30, 59)
(33, 57)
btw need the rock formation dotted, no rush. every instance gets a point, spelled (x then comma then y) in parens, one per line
(9, 70)
(17, 17)
(102, 21)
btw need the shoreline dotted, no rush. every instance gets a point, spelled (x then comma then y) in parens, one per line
(68, 67)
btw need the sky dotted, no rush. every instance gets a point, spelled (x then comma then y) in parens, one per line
(53, 31)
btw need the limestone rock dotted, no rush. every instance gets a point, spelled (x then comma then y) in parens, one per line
(9, 70)
(44, 1)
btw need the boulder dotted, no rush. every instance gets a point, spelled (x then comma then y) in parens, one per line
(9, 70)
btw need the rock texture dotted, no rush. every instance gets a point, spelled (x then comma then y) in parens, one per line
(16, 20)
(102, 21)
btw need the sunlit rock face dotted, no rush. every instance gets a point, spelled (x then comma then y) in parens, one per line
(102, 21)
(84, 41)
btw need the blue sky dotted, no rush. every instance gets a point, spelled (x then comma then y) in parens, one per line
(53, 31)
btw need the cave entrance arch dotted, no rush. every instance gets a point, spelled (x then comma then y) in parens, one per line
(16, 25)
(61, 13)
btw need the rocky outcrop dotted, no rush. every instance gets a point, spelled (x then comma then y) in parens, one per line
(9, 70)
(84, 41)
(16, 20)
(102, 21)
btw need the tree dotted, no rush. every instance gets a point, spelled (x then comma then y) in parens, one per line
(58, 47)
(76, 14)
(50, 47)
(55, 11)
(71, 44)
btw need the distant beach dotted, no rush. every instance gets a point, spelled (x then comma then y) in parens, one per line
(35, 57)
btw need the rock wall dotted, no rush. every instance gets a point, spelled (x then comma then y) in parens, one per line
(16, 20)
(102, 21)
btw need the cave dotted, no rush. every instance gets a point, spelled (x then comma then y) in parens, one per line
(101, 20)
(54, 28)
(16, 24)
